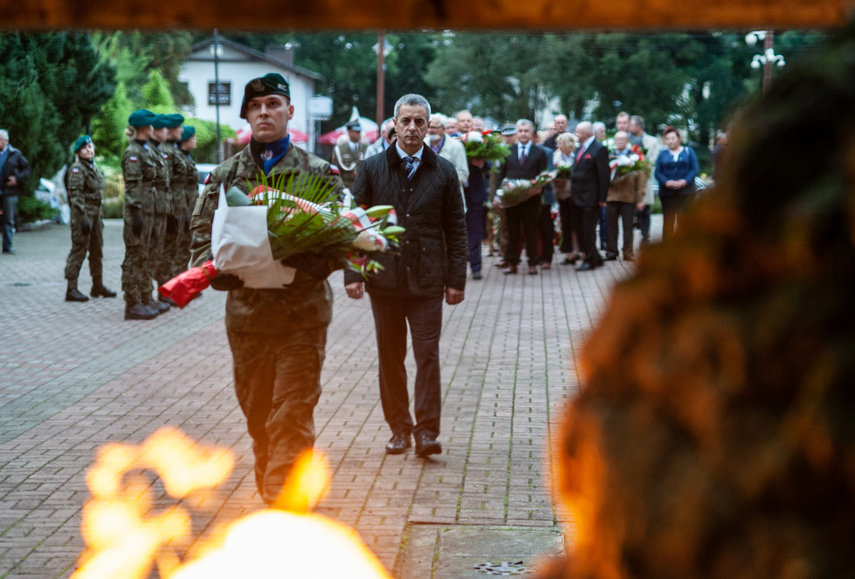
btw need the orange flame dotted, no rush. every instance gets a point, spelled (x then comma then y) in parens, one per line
(125, 540)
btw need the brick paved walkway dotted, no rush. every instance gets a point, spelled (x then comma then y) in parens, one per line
(75, 376)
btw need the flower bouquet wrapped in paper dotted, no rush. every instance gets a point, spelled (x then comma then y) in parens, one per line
(625, 164)
(563, 170)
(282, 217)
(486, 146)
(516, 191)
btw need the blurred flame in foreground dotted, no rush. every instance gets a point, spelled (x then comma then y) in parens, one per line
(125, 538)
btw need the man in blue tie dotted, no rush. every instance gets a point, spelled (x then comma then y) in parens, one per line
(425, 190)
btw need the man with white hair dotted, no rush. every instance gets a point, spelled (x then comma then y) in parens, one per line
(14, 170)
(447, 148)
(384, 141)
(600, 134)
(589, 183)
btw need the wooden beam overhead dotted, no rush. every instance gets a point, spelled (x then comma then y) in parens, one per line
(424, 14)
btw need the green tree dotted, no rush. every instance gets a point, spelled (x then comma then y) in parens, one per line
(108, 128)
(51, 85)
(156, 94)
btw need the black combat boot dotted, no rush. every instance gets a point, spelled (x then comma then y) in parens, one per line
(99, 290)
(155, 305)
(139, 312)
(168, 301)
(72, 294)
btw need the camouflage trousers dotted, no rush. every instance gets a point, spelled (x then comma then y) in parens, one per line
(154, 257)
(182, 256)
(169, 254)
(85, 238)
(278, 384)
(136, 282)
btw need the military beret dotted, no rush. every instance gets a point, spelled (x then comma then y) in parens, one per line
(173, 120)
(159, 122)
(80, 142)
(141, 118)
(270, 83)
(189, 132)
(354, 125)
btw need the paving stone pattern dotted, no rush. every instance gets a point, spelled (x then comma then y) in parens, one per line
(76, 376)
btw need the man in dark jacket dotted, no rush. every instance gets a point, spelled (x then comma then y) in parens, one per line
(589, 182)
(14, 170)
(525, 161)
(425, 191)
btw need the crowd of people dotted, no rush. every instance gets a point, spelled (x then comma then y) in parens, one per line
(604, 194)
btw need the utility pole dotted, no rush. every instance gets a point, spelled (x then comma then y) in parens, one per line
(217, 90)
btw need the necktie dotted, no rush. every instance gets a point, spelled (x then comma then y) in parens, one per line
(411, 166)
(579, 154)
(522, 155)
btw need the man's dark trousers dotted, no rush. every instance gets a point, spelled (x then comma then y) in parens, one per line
(474, 233)
(586, 227)
(10, 206)
(424, 315)
(527, 215)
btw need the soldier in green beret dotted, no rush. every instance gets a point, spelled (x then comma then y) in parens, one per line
(85, 185)
(163, 220)
(190, 188)
(349, 153)
(277, 336)
(139, 172)
(168, 266)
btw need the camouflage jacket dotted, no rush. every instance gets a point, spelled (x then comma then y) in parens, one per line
(139, 172)
(163, 196)
(84, 183)
(305, 303)
(191, 183)
(177, 176)
(348, 161)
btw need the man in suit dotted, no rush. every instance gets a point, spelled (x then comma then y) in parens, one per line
(589, 182)
(526, 161)
(349, 154)
(424, 188)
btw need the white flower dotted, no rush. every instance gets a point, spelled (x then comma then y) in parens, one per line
(474, 136)
(370, 240)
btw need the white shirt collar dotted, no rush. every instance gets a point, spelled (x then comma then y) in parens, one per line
(588, 142)
(403, 154)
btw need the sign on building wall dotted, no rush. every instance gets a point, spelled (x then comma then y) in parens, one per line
(224, 94)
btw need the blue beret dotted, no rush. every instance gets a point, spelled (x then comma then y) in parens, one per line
(141, 118)
(80, 142)
(160, 122)
(270, 83)
(189, 132)
(173, 120)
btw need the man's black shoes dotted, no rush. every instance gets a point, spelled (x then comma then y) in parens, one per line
(586, 266)
(425, 446)
(476, 275)
(398, 444)
(74, 295)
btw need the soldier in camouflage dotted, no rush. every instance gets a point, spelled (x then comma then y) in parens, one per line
(190, 189)
(85, 185)
(277, 336)
(139, 172)
(168, 266)
(163, 221)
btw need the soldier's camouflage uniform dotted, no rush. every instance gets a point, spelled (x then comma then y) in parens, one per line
(169, 265)
(161, 222)
(191, 194)
(277, 336)
(139, 172)
(85, 185)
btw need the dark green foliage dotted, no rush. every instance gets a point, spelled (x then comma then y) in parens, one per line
(51, 85)
(31, 209)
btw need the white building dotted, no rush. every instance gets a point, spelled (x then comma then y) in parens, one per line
(238, 65)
